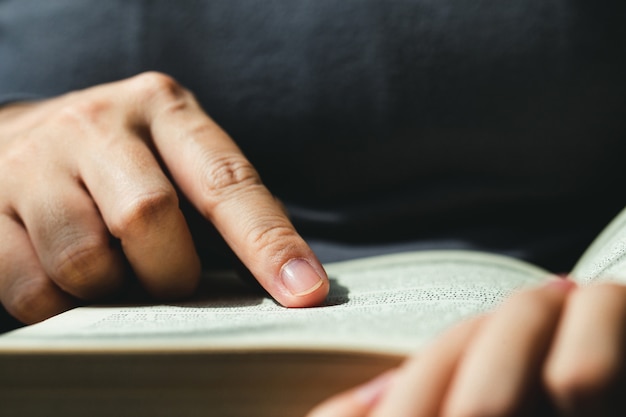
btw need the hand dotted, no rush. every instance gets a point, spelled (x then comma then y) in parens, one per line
(551, 351)
(89, 189)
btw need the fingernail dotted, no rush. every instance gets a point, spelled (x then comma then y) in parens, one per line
(300, 278)
(561, 284)
(370, 392)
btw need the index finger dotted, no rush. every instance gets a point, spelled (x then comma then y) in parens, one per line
(222, 184)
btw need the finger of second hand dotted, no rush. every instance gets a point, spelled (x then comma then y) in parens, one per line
(421, 384)
(585, 373)
(356, 402)
(499, 369)
(416, 389)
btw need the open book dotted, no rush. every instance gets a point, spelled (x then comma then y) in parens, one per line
(234, 352)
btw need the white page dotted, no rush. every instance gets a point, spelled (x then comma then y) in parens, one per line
(395, 303)
(605, 259)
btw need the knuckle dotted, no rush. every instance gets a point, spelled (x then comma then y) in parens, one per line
(19, 156)
(79, 268)
(143, 213)
(228, 173)
(26, 300)
(588, 378)
(273, 236)
(153, 84)
(33, 150)
(82, 113)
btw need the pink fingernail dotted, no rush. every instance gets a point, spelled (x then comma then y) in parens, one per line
(370, 392)
(561, 284)
(300, 278)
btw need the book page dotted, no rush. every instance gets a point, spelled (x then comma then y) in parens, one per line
(605, 259)
(393, 303)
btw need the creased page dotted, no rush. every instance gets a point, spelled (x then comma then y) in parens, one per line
(394, 303)
(605, 258)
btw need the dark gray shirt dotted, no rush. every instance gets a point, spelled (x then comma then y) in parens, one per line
(383, 125)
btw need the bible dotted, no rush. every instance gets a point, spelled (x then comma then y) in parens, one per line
(232, 351)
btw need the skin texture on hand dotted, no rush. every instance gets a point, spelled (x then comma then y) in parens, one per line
(552, 351)
(91, 182)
